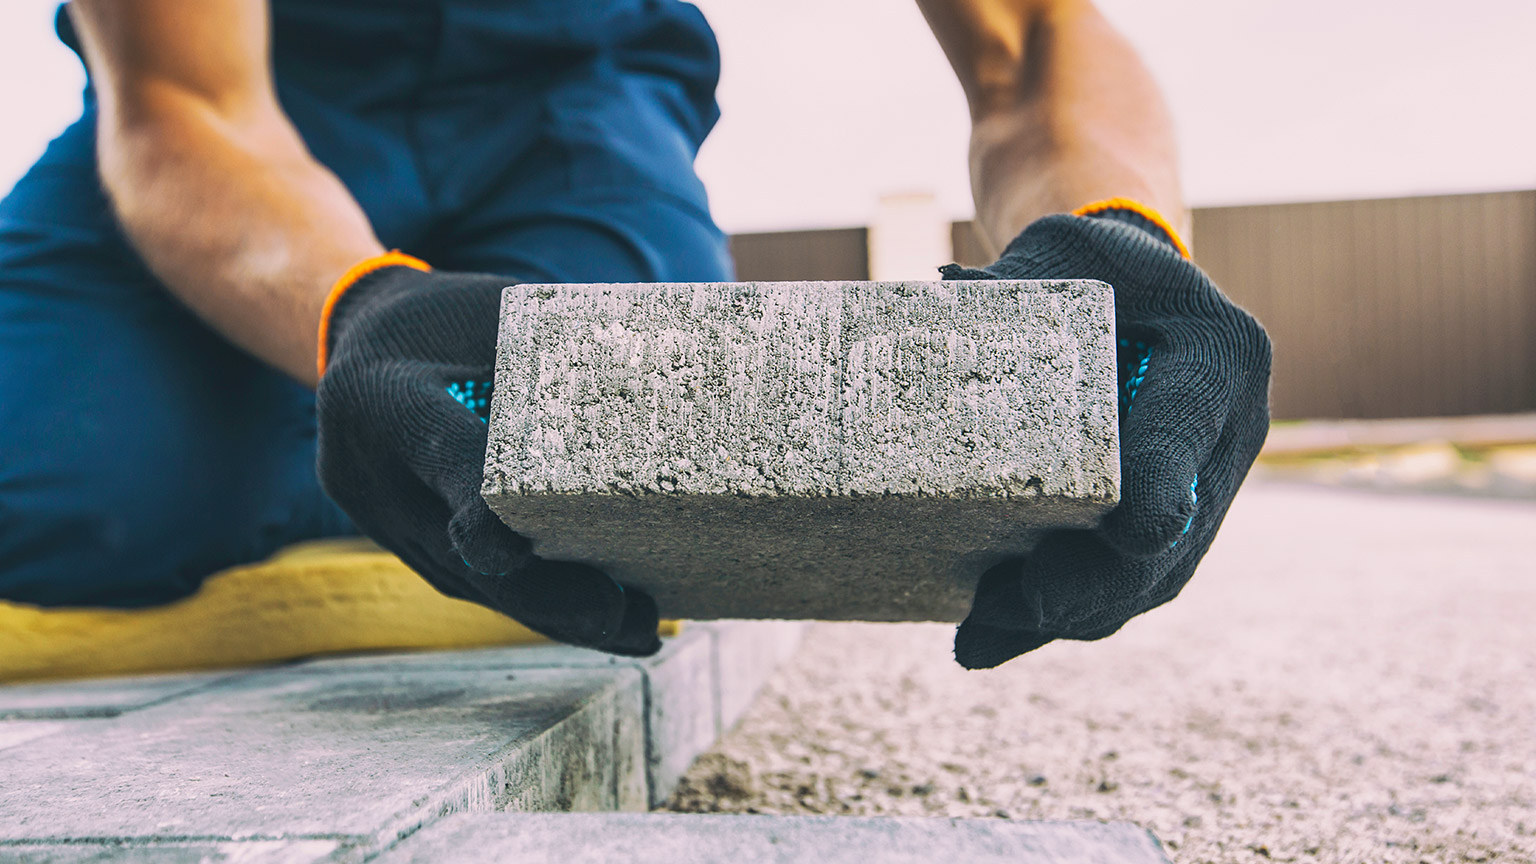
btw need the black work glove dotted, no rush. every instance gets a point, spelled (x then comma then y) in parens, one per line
(403, 404)
(1194, 410)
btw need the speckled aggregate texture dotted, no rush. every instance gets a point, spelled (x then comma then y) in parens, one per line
(670, 838)
(1347, 679)
(803, 450)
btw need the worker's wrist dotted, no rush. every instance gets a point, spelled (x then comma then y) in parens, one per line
(355, 274)
(1135, 213)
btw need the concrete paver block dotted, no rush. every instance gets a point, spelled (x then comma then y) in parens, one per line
(843, 450)
(546, 656)
(682, 839)
(13, 732)
(368, 756)
(337, 758)
(697, 686)
(134, 852)
(103, 697)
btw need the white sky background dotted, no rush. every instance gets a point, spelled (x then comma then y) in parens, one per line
(830, 103)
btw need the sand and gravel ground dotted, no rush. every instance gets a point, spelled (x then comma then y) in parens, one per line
(1350, 678)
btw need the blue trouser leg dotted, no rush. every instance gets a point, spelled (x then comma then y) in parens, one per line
(139, 451)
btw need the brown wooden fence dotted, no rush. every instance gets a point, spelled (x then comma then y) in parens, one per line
(1385, 308)
(839, 253)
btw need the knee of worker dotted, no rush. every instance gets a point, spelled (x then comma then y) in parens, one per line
(619, 240)
(94, 512)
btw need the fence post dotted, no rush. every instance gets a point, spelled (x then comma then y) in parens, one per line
(909, 238)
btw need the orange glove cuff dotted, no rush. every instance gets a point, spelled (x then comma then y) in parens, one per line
(392, 258)
(1139, 209)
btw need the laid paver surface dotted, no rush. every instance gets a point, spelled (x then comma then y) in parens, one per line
(336, 759)
(696, 687)
(21, 731)
(1348, 678)
(778, 450)
(207, 852)
(690, 839)
(286, 755)
(103, 697)
(1327, 436)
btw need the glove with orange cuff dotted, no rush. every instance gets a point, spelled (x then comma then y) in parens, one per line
(406, 359)
(1194, 411)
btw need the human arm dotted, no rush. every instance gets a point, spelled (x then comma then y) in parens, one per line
(219, 195)
(1063, 112)
(209, 179)
(1071, 144)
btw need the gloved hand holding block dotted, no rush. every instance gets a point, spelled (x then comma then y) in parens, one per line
(831, 450)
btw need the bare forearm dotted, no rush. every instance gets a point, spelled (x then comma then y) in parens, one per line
(210, 180)
(1063, 112)
(242, 225)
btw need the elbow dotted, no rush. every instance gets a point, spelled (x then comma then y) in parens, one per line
(143, 141)
(135, 155)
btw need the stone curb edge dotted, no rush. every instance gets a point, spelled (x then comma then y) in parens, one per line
(623, 747)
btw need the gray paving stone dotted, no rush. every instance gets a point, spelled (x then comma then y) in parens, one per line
(683, 692)
(777, 450)
(680, 719)
(134, 852)
(684, 838)
(338, 757)
(13, 732)
(365, 755)
(699, 684)
(101, 697)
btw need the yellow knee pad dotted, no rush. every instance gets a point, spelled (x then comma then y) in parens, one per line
(323, 597)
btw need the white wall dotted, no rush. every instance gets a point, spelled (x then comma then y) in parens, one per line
(831, 103)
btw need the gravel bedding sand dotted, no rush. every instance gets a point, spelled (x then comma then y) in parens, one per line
(1351, 677)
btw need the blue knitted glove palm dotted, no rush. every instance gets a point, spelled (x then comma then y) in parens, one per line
(1194, 411)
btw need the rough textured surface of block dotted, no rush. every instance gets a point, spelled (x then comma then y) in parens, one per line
(841, 450)
(683, 839)
(695, 688)
(135, 852)
(103, 697)
(13, 732)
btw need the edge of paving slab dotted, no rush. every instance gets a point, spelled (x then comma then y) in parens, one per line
(695, 689)
(683, 699)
